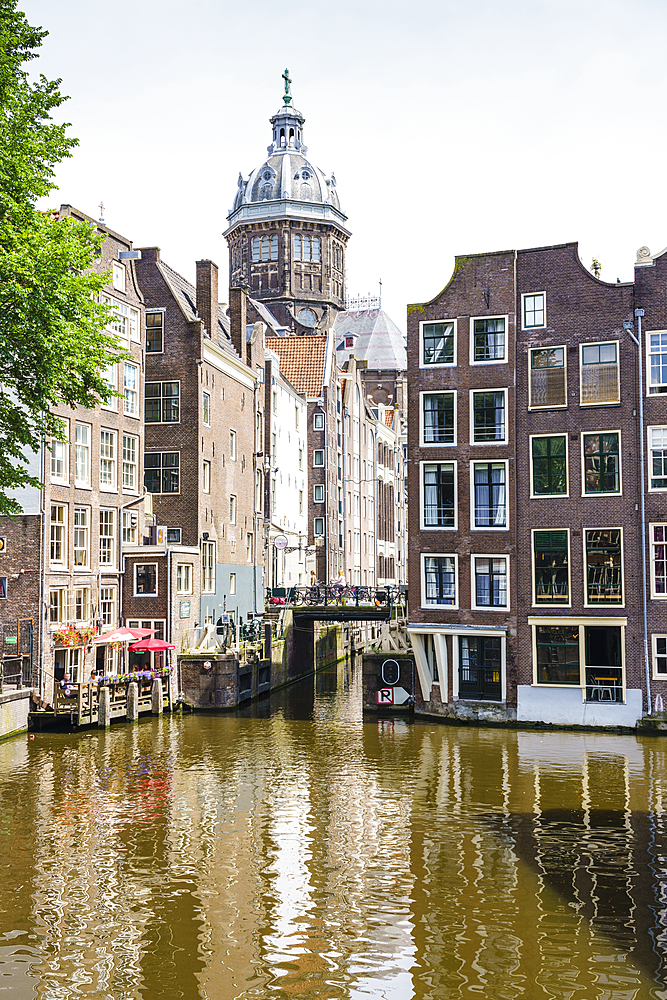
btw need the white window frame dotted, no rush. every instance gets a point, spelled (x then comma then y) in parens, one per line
(206, 408)
(113, 486)
(649, 470)
(654, 655)
(111, 547)
(77, 528)
(320, 487)
(232, 445)
(232, 584)
(473, 576)
(440, 364)
(206, 476)
(154, 593)
(528, 295)
(547, 496)
(108, 603)
(132, 395)
(471, 417)
(549, 604)
(233, 508)
(318, 465)
(316, 533)
(61, 537)
(599, 495)
(423, 443)
(660, 387)
(184, 576)
(430, 527)
(318, 421)
(208, 571)
(118, 276)
(584, 560)
(85, 604)
(546, 347)
(439, 555)
(110, 376)
(596, 343)
(58, 455)
(129, 465)
(62, 605)
(471, 490)
(495, 361)
(130, 527)
(581, 622)
(85, 449)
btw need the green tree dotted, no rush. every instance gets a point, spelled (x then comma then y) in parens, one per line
(53, 348)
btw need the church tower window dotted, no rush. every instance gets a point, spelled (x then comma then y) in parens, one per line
(316, 249)
(255, 249)
(297, 247)
(274, 248)
(305, 247)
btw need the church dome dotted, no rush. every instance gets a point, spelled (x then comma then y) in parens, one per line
(286, 176)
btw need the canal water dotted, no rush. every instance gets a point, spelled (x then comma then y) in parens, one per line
(296, 849)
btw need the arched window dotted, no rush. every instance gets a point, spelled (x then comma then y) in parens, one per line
(265, 247)
(255, 248)
(291, 136)
(316, 249)
(297, 247)
(274, 248)
(282, 137)
(306, 248)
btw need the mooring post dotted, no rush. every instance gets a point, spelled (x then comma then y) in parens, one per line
(157, 698)
(104, 707)
(132, 704)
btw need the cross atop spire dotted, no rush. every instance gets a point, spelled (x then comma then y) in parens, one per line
(287, 96)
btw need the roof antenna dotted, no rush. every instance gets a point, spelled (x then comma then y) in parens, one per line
(101, 208)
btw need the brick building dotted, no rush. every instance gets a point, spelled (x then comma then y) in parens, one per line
(203, 413)
(525, 548)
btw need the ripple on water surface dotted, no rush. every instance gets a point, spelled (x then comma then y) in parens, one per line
(295, 849)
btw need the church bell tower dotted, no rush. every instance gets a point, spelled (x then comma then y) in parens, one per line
(287, 234)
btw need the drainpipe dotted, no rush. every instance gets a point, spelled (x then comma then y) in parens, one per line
(642, 492)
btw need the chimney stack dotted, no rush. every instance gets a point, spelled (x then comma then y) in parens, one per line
(207, 296)
(238, 313)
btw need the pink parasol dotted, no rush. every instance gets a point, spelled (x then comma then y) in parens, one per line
(151, 646)
(124, 634)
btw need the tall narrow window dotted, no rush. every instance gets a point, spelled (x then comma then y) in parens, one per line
(256, 249)
(657, 347)
(439, 580)
(549, 456)
(265, 247)
(658, 458)
(297, 247)
(232, 510)
(131, 389)
(604, 583)
(439, 496)
(82, 455)
(274, 247)
(58, 606)
(316, 250)
(600, 375)
(490, 581)
(82, 604)
(206, 408)
(130, 527)
(232, 446)
(489, 339)
(206, 477)
(490, 494)
(81, 537)
(58, 529)
(154, 332)
(107, 537)
(108, 460)
(602, 463)
(659, 559)
(438, 343)
(60, 460)
(184, 578)
(305, 247)
(130, 448)
(548, 378)
(108, 605)
(438, 417)
(488, 412)
(552, 582)
(208, 567)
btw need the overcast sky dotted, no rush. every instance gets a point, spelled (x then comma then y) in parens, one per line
(451, 127)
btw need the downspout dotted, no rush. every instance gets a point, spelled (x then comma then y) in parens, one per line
(642, 494)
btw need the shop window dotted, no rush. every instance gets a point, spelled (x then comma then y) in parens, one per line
(557, 648)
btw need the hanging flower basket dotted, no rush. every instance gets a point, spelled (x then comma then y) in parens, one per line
(74, 635)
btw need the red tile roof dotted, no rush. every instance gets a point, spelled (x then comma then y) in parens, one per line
(301, 361)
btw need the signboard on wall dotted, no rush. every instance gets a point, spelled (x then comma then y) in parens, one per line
(185, 609)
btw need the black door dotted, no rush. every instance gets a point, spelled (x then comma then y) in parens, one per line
(479, 667)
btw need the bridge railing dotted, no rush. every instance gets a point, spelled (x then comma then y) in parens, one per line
(323, 596)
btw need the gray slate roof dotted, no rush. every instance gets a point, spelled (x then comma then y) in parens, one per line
(187, 298)
(377, 339)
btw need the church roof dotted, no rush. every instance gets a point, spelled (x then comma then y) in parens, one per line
(302, 361)
(376, 339)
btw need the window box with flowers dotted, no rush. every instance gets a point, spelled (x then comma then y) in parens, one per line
(74, 635)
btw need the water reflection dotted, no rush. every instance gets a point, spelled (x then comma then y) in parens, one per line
(297, 850)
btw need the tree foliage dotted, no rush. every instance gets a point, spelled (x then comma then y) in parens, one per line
(53, 348)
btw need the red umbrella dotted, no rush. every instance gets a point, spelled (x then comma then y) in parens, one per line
(124, 634)
(151, 646)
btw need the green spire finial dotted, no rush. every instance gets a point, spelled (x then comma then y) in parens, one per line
(287, 96)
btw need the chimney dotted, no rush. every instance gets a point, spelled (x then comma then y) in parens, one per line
(207, 296)
(238, 308)
(151, 254)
